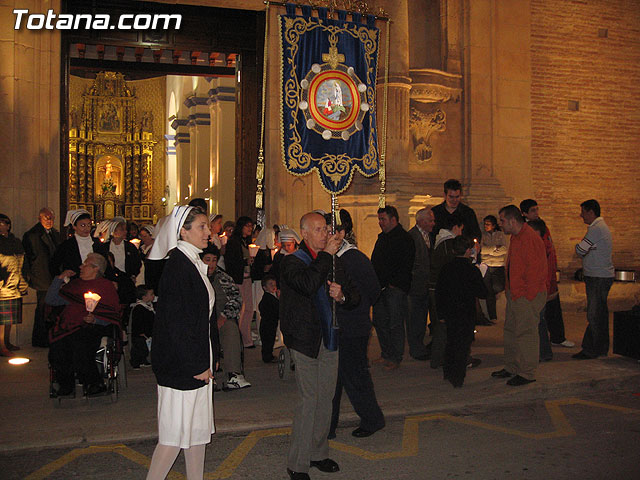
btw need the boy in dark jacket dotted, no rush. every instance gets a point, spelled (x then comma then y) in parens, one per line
(459, 283)
(270, 312)
(142, 317)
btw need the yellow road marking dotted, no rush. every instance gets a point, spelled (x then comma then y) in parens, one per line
(123, 450)
(409, 448)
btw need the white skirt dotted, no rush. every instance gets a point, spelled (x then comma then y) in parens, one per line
(185, 417)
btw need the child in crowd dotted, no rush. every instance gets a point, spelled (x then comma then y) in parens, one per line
(142, 317)
(269, 310)
(458, 286)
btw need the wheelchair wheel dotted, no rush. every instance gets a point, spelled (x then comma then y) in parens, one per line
(285, 364)
(111, 370)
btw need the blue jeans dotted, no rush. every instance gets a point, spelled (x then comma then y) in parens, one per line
(596, 337)
(389, 313)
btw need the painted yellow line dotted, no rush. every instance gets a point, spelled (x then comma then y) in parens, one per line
(235, 458)
(123, 450)
(410, 440)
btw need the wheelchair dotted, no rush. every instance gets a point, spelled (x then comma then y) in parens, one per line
(107, 358)
(286, 366)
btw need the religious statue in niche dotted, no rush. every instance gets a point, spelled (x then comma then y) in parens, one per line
(108, 173)
(147, 122)
(74, 118)
(109, 121)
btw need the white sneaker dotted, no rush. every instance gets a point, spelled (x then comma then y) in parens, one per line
(236, 381)
(566, 343)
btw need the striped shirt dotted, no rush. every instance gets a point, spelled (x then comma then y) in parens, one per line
(595, 250)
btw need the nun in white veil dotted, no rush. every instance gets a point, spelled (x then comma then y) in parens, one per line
(185, 338)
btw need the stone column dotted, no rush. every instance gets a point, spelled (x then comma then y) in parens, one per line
(222, 165)
(183, 159)
(397, 155)
(30, 112)
(497, 139)
(199, 132)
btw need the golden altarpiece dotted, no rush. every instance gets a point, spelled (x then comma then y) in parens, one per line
(111, 152)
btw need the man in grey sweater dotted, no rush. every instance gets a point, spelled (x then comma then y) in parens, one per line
(595, 250)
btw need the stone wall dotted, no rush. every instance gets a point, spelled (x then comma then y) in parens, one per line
(591, 152)
(30, 113)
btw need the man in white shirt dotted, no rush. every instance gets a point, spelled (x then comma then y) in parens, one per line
(595, 250)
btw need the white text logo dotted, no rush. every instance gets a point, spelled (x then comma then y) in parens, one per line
(66, 21)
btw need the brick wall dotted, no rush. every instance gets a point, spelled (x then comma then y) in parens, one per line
(593, 152)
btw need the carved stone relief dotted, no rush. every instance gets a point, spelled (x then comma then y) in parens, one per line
(422, 125)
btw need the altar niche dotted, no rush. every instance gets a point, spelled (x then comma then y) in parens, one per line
(111, 152)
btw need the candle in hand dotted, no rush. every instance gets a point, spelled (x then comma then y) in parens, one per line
(91, 300)
(253, 250)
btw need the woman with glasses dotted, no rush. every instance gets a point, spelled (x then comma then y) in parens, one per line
(75, 337)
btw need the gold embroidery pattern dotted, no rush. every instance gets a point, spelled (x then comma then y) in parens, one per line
(335, 167)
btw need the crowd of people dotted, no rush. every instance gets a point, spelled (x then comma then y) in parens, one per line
(189, 289)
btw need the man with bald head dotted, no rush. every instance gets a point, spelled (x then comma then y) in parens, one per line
(306, 295)
(419, 292)
(39, 245)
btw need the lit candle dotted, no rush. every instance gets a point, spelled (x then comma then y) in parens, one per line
(223, 239)
(91, 300)
(253, 250)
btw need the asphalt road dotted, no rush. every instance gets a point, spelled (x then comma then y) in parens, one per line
(590, 437)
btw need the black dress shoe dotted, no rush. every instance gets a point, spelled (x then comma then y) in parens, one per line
(518, 381)
(502, 374)
(327, 465)
(298, 475)
(582, 356)
(362, 433)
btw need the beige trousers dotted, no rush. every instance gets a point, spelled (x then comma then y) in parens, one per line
(521, 339)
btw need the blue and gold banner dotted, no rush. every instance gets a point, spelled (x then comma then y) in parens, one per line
(328, 76)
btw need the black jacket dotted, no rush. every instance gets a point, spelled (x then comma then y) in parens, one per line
(132, 262)
(262, 260)
(458, 286)
(39, 249)
(392, 258)
(471, 228)
(234, 261)
(299, 321)
(357, 321)
(182, 327)
(269, 309)
(67, 256)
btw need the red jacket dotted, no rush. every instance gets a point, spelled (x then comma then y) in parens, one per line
(526, 265)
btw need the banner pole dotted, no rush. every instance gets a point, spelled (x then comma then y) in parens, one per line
(260, 165)
(382, 173)
(334, 212)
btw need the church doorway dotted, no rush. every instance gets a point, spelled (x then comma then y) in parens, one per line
(154, 118)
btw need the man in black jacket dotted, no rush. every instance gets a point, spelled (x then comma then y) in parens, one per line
(452, 206)
(305, 320)
(392, 259)
(40, 243)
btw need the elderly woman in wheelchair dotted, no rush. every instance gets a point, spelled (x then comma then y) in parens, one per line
(77, 333)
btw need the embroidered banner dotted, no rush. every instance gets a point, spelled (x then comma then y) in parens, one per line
(328, 81)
